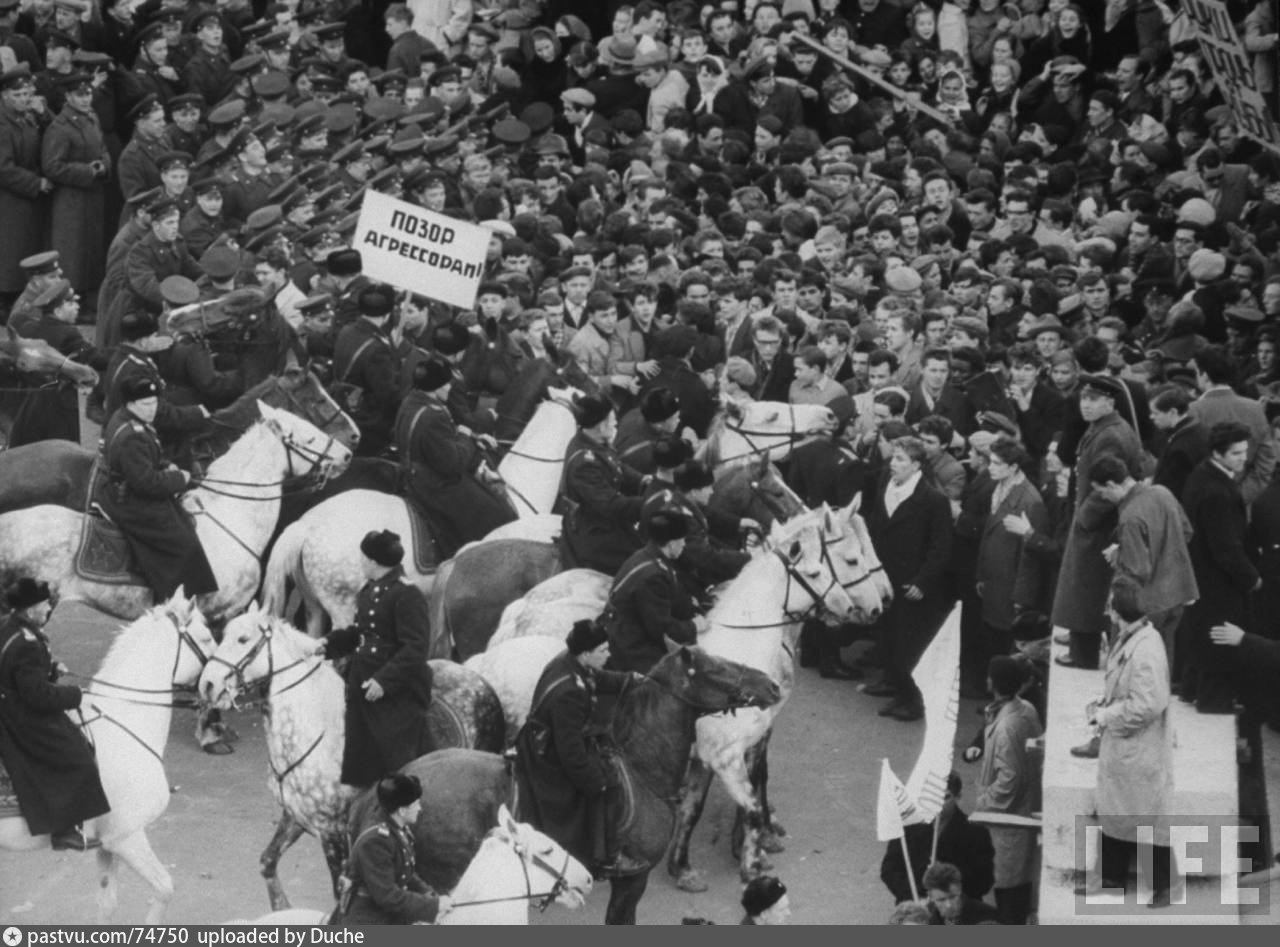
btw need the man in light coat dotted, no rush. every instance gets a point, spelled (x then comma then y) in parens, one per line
(1214, 372)
(668, 88)
(1135, 761)
(1009, 783)
(443, 22)
(1151, 544)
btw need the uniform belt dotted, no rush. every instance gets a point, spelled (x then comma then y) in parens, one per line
(372, 643)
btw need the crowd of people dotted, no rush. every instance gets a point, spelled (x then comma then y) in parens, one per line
(1022, 251)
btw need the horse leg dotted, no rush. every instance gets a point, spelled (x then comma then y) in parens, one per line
(770, 838)
(748, 821)
(288, 831)
(136, 852)
(335, 853)
(624, 897)
(108, 885)
(693, 797)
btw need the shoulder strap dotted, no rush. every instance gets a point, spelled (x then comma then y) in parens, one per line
(12, 638)
(562, 679)
(413, 424)
(346, 372)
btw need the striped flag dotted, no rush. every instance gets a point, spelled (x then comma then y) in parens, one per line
(937, 674)
(894, 808)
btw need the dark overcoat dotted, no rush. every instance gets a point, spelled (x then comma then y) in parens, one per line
(1005, 566)
(149, 263)
(364, 357)
(22, 208)
(386, 887)
(128, 363)
(647, 604)
(50, 762)
(602, 500)
(71, 144)
(389, 640)
(136, 488)
(188, 368)
(441, 464)
(559, 769)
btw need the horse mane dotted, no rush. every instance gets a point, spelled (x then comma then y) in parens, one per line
(242, 412)
(122, 653)
(218, 469)
(715, 433)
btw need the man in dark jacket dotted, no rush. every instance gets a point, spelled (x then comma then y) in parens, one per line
(656, 418)
(948, 903)
(648, 603)
(444, 465)
(139, 491)
(910, 525)
(50, 762)
(157, 256)
(567, 789)
(22, 185)
(385, 887)
(601, 497)
(960, 843)
(388, 680)
(1186, 439)
(364, 357)
(132, 362)
(673, 349)
(1224, 572)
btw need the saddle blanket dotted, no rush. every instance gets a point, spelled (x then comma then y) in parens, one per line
(425, 558)
(104, 555)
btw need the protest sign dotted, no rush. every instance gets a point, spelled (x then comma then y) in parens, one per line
(1232, 69)
(420, 250)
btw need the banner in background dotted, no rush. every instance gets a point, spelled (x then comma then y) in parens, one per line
(420, 250)
(1232, 70)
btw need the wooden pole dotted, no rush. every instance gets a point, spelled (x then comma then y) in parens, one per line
(911, 875)
(874, 79)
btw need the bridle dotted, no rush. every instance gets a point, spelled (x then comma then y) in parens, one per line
(791, 436)
(293, 448)
(543, 899)
(794, 576)
(265, 634)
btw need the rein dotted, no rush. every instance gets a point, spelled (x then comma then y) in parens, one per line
(238, 669)
(791, 436)
(184, 637)
(545, 899)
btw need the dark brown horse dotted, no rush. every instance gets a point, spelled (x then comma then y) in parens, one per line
(57, 472)
(653, 731)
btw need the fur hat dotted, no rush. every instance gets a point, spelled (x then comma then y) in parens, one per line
(668, 526)
(693, 476)
(592, 409)
(135, 389)
(398, 790)
(670, 452)
(26, 592)
(344, 262)
(659, 404)
(432, 374)
(450, 339)
(376, 301)
(383, 547)
(586, 635)
(761, 894)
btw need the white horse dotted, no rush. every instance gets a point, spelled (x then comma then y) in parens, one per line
(531, 468)
(235, 508)
(126, 712)
(317, 555)
(305, 727)
(516, 866)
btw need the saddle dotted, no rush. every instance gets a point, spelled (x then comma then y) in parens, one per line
(426, 555)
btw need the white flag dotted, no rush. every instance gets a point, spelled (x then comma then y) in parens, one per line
(937, 674)
(894, 807)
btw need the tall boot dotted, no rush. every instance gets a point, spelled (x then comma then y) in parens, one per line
(604, 816)
(829, 663)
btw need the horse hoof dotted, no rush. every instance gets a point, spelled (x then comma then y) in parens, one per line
(218, 748)
(692, 881)
(771, 844)
(226, 732)
(775, 828)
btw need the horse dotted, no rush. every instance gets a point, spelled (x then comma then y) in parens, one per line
(754, 621)
(234, 506)
(652, 730)
(59, 472)
(126, 713)
(476, 585)
(317, 553)
(519, 401)
(19, 357)
(305, 728)
(516, 866)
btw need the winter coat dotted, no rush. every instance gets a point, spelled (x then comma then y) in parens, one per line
(1152, 536)
(389, 640)
(49, 760)
(601, 498)
(1009, 782)
(647, 604)
(1135, 759)
(22, 208)
(77, 216)
(1009, 575)
(386, 888)
(1223, 404)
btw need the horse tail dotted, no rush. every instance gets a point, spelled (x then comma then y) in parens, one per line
(285, 563)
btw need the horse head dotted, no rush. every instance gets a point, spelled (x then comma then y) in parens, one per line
(548, 866)
(309, 448)
(251, 648)
(819, 581)
(195, 639)
(848, 543)
(770, 429)
(564, 396)
(756, 491)
(713, 684)
(858, 525)
(301, 391)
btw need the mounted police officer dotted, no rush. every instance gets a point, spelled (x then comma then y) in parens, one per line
(656, 418)
(133, 362)
(364, 357)
(385, 888)
(139, 491)
(388, 680)
(683, 486)
(48, 758)
(601, 496)
(648, 603)
(567, 789)
(443, 465)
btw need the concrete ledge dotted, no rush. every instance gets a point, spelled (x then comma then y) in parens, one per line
(1059, 904)
(1204, 758)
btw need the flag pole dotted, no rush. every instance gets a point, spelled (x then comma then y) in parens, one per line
(911, 875)
(933, 852)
